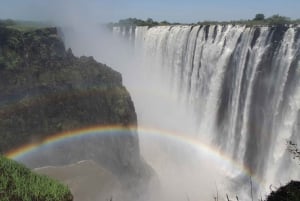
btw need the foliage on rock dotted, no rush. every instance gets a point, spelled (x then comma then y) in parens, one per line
(17, 183)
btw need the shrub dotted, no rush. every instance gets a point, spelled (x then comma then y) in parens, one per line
(19, 183)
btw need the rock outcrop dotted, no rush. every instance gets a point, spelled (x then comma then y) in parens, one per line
(46, 90)
(289, 192)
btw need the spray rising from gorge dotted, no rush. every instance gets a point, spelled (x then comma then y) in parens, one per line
(239, 82)
(234, 88)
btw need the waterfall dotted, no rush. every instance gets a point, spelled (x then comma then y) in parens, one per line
(242, 85)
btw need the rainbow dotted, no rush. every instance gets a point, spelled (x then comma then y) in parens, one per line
(186, 140)
(63, 136)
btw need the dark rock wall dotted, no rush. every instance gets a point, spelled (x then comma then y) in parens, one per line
(289, 192)
(45, 90)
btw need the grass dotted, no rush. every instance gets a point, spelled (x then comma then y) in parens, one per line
(17, 183)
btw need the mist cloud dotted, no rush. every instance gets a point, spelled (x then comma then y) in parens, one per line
(182, 176)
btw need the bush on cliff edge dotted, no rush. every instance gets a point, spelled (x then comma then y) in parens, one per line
(17, 183)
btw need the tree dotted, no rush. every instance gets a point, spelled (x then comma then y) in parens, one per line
(149, 20)
(279, 20)
(164, 22)
(7, 22)
(259, 17)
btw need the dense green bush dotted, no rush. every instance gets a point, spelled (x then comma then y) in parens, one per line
(17, 183)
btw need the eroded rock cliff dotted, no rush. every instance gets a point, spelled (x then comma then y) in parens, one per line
(46, 90)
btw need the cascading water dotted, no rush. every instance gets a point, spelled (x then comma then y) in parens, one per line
(241, 83)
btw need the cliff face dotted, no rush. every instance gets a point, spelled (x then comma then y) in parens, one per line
(45, 90)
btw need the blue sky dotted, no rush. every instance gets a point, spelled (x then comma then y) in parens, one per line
(171, 10)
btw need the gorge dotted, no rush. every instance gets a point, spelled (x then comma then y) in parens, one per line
(215, 106)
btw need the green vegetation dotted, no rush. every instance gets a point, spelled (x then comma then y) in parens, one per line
(15, 42)
(7, 22)
(17, 183)
(138, 22)
(9, 61)
(23, 26)
(258, 20)
(278, 20)
(259, 16)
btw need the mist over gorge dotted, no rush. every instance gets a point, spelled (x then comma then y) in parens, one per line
(153, 110)
(232, 87)
(242, 85)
